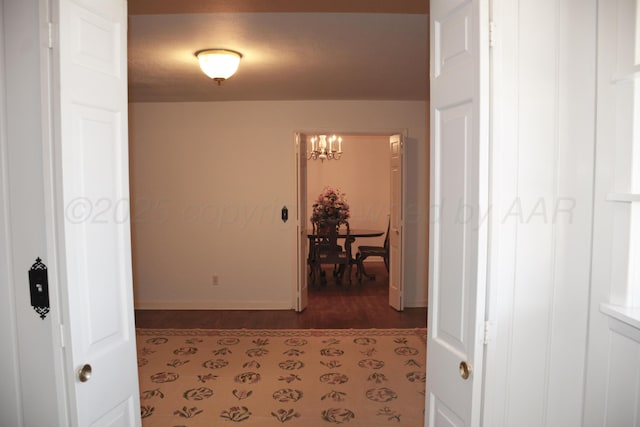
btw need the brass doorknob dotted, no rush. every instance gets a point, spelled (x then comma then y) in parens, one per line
(84, 374)
(465, 370)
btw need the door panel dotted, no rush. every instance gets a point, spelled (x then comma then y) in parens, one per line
(396, 229)
(456, 161)
(459, 194)
(303, 241)
(96, 246)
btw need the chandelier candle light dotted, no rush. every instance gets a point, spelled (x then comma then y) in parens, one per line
(322, 150)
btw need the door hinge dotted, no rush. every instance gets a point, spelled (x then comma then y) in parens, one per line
(492, 34)
(50, 35)
(489, 331)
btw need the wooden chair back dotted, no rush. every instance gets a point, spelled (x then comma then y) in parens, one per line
(325, 247)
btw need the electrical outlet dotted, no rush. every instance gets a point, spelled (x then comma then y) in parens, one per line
(214, 280)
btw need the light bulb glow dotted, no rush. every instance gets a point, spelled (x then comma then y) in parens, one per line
(218, 64)
(323, 147)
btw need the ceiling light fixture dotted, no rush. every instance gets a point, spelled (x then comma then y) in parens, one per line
(218, 64)
(325, 150)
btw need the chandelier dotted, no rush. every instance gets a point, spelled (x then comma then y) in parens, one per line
(325, 147)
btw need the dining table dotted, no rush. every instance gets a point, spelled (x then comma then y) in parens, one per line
(354, 233)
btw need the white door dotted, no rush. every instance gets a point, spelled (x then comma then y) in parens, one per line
(303, 241)
(94, 247)
(458, 236)
(396, 226)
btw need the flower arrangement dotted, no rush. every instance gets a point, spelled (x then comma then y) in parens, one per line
(331, 204)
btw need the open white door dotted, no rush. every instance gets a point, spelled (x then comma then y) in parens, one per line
(303, 241)
(459, 194)
(92, 212)
(396, 226)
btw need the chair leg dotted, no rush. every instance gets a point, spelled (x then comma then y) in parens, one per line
(323, 275)
(317, 274)
(312, 276)
(363, 272)
(339, 274)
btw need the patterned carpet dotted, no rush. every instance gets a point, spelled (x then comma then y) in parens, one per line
(303, 377)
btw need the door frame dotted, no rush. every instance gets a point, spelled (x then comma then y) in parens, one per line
(301, 263)
(11, 403)
(40, 340)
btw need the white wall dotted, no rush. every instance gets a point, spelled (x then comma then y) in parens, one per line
(543, 156)
(209, 181)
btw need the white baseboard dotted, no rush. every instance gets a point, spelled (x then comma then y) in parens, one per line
(233, 305)
(415, 304)
(213, 305)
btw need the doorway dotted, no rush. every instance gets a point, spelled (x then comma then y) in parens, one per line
(371, 180)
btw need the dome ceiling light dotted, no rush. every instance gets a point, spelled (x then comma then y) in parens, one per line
(218, 64)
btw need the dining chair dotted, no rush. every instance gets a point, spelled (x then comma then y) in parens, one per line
(365, 252)
(325, 249)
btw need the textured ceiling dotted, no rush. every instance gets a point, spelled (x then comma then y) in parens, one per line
(311, 50)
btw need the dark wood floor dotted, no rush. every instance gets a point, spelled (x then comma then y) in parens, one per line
(363, 305)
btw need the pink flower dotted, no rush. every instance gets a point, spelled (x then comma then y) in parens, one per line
(330, 204)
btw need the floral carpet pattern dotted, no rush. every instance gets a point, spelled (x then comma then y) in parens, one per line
(302, 377)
